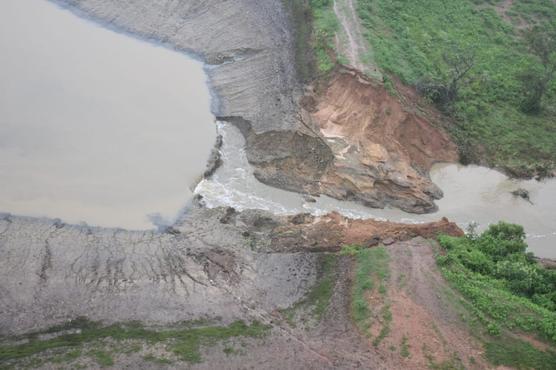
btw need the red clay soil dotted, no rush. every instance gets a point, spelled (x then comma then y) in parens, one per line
(332, 231)
(367, 115)
(426, 329)
(383, 145)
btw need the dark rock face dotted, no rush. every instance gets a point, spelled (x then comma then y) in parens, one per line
(522, 193)
(215, 158)
(309, 199)
(291, 160)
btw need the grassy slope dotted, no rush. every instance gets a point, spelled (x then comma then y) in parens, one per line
(507, 292)
(315, 27)
(409, 39)
(183, 342)
(318, 298)
(507, 299)
(371, 272)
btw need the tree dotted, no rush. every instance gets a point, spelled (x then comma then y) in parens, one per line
(445, 90)
(536, 81)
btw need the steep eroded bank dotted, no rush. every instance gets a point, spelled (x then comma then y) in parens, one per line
(384, 145)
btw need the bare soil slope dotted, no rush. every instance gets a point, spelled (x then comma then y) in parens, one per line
(426, 316)
(383, 146)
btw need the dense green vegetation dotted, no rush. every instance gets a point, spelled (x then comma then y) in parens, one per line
(325, 26)
(506, 290)
(371, 273)
(418, 40)
(519, 354)
(183, 342)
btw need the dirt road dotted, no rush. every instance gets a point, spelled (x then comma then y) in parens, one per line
(350, 40)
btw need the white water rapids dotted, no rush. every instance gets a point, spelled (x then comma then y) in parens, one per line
(471, 194)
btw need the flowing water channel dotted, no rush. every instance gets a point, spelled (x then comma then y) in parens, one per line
(100, 127)
(472, 194)
(95, 125)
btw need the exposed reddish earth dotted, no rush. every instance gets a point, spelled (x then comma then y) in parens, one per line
(425, 314)
(383, 146)
(330, 232)
(356, 141)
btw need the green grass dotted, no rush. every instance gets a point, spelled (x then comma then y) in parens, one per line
(157, 360)
(318, 297)
(315, 26)
(184, 342)
(409, 39)
(301, 16)
(325, 26)
(404, 347)
(519, 354)
(454, 363)
(370, 273)
(386, 315)
(103, 358)
(505, 287)
(505, 292)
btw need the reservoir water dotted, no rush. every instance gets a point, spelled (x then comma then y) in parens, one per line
(96, 126)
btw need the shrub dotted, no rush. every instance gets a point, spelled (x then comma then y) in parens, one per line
(505, 286)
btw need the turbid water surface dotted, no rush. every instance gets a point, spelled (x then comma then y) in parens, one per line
(95, 125)
(472, 194)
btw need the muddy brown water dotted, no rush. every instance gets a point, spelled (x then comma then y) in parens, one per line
(100, 127)
(95, 125)
(472, 194)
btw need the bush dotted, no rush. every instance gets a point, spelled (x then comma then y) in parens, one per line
(504, 283)
(426, 43)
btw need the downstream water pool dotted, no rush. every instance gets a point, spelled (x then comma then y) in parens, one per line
(471, 194)
(96, 126)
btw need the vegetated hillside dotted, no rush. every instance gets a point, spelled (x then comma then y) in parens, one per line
(491, 304)
(430, 43)
(511, 297)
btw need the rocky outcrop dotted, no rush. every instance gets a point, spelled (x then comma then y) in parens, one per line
(356, 142)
